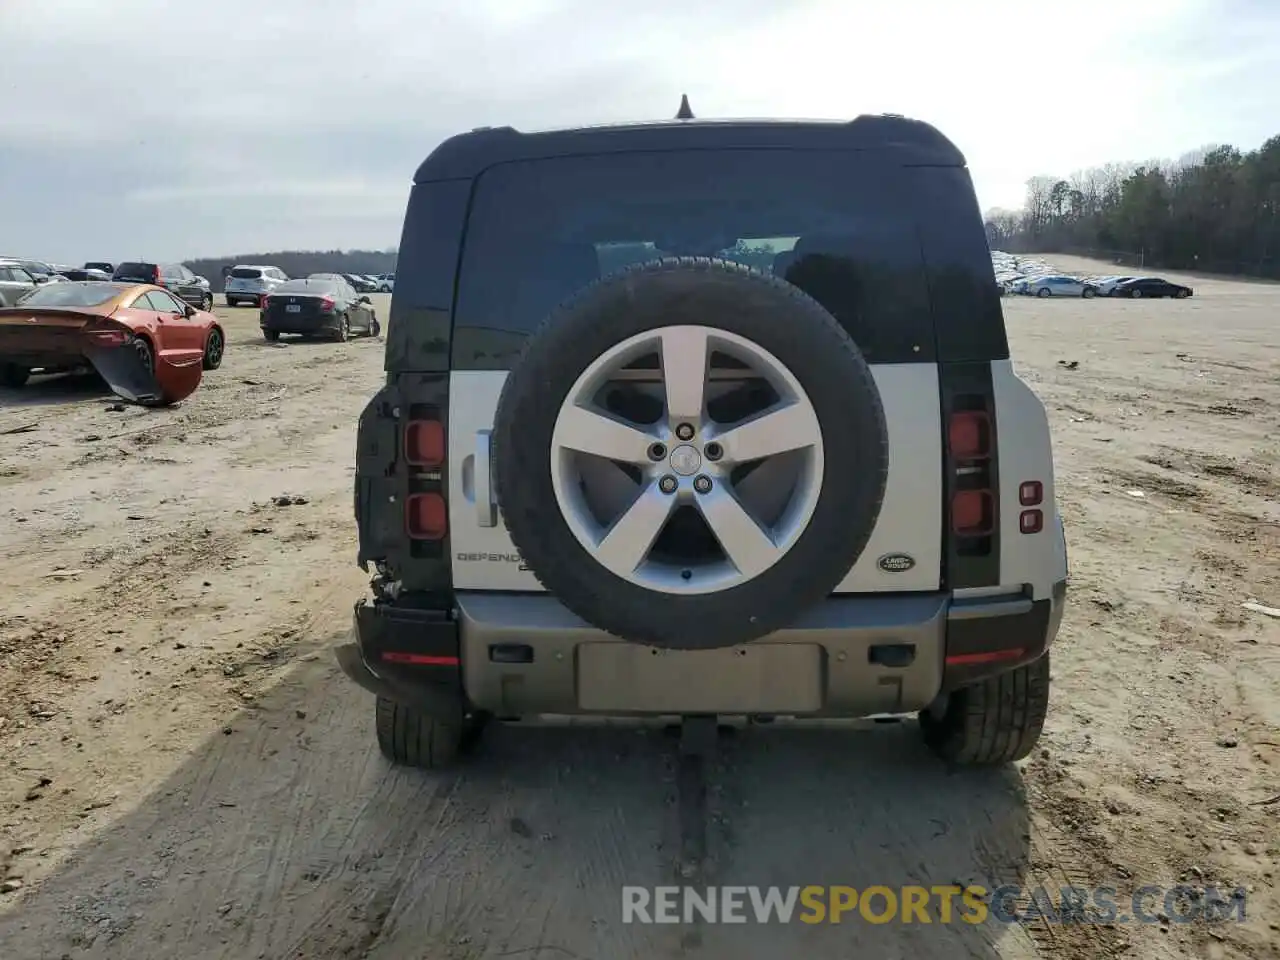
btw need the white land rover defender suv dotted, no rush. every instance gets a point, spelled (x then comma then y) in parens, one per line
(691, 419)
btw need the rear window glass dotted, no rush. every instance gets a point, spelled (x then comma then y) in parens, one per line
(136, 271)
(87, 294)
(833, 223)
(307, 286)
(246, 273)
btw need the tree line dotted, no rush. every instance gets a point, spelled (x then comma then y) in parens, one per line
(1216, 209)
(299, 263)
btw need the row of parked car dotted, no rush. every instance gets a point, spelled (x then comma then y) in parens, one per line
(1026, 276)
(248, 283)
(243, 283)
(1064, 285)
(19, 277)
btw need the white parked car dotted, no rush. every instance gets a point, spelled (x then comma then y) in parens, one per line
(1107, 285)
(1059, 286)
(387, 283)
(248, 283)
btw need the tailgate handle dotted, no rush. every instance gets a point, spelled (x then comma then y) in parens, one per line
(486, 515)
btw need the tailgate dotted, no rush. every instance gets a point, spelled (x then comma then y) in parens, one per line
(910, 520)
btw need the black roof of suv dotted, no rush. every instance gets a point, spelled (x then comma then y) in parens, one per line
(467, 154)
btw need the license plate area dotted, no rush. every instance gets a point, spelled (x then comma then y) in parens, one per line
(293, 308)
(754, 678)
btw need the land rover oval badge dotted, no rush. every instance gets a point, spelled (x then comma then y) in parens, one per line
(896, 562)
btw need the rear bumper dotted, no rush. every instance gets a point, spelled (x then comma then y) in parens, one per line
(515, 655)
(287, 324)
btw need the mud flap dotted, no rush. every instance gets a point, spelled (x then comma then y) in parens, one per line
(128, 377)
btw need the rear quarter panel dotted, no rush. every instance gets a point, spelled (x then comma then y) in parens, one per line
(1026, 453)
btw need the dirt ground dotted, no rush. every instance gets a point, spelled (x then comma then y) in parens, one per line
(185, 773)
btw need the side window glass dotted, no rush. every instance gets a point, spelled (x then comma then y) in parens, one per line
(164, 303)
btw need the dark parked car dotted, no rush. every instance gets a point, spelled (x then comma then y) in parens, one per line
(322, 307)
(87, 273)
(1151, 287)
(361, 284)
(174, 277)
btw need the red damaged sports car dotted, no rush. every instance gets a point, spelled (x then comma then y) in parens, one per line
(146, 344)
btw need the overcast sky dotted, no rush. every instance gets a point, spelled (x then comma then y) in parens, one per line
(142, 128)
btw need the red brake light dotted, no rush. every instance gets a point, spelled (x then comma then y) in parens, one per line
(424, 443)
(972, 513)
(326, 304)
(969, 435)
(108, 333)
(426, 517)
(158, 278)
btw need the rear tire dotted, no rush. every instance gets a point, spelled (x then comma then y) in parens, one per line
(1135, 294)
(206, 303)
(344, 329)
(411, 738)
(271, 336)
(13, 377)
(996, 721)
(146, 354)
(232, 302)
(374, 327)
(1044, 292)
(1088, 293)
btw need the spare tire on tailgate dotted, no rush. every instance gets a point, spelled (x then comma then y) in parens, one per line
(690, 453)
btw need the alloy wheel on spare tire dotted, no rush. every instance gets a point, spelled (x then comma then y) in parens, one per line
(713, 506)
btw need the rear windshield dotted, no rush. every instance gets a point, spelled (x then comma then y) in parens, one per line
(835, 224)
(247, 273)
(144, 272)
(320, 286)
(87, 294)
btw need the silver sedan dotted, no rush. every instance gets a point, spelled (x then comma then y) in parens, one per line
(1060, 287)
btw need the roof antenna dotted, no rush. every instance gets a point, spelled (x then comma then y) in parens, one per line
(684, 113)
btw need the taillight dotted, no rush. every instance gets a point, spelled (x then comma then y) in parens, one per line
(972, 485)
(108, 333)
(326, 304)
(158, 278)
(972, 513)
(424, 443)
(426, 516)
(969, 435)
(264, 302)
(1031, 494)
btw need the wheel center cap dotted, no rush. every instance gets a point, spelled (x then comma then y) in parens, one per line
(685, 460)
